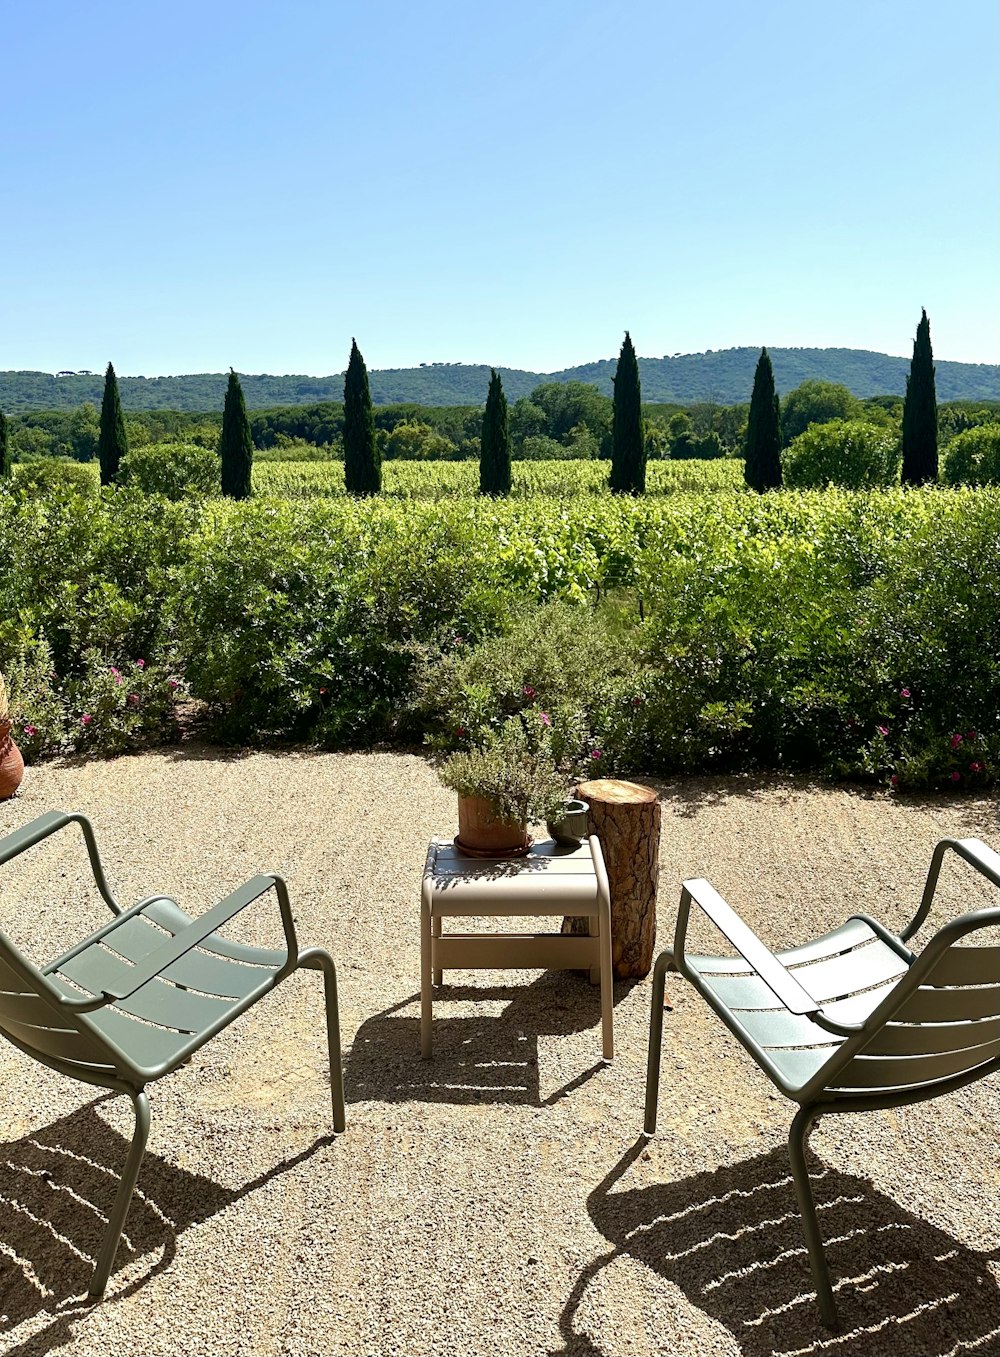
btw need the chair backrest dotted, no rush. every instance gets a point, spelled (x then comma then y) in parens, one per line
(34, 1020)
(941, 1021)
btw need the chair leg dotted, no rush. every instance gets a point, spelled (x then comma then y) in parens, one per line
(317, 959)
(123, 1198)
(798, 1137)
(663, 963)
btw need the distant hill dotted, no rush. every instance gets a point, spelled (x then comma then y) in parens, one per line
(724, 376)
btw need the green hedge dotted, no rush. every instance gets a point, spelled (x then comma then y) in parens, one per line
(846, 631)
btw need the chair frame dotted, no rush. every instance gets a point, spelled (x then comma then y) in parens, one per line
(816, 1096)
(124, 1073)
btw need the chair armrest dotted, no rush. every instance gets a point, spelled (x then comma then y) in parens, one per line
(214, 918)
(775, 976)
(973, 851)
(50, 823)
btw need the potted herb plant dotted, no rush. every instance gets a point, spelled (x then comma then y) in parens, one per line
(11, 763)
(502, 786)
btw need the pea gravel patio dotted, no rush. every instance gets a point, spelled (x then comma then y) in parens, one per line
(498, 1199)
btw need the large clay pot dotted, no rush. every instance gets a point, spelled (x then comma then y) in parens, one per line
(479, 831)
(11, 763)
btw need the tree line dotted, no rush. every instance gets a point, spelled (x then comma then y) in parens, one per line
(764, 468)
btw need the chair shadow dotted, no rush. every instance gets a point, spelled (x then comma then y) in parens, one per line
(476, 1059)
(732, 1241)
(57, 1186)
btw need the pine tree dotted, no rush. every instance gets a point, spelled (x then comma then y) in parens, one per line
(494, 455)
(112, 444)
(920, 449)
(762, 469)
(362, 463)
(235, 444)
(6, 467)
(628, 443)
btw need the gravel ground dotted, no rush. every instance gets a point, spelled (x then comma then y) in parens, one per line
(498, 1199)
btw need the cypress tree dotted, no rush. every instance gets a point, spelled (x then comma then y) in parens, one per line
(362, 463)
(920, 450)
(235, 444)
(628, 444)
(762, 469)
(6, 468)
(494, 455)
(112, 444)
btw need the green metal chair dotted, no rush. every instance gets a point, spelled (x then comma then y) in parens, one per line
(850, 1022)
(130, 1003)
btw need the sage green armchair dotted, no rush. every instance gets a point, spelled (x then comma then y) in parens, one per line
(132, 1001)
(852, 1021)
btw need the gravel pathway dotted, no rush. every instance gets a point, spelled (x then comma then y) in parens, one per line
(499, 1199)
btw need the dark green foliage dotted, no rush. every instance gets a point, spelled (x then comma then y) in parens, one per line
(815, 403)
(721, 377)
(628, 443)
(236, 445)
(112, 444)
(362, 462)
(494, 456)
(6, 466)
(762, 468)
(920, 452)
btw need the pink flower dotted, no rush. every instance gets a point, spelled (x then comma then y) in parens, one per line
(459, 731)
(894, 780)
(956, 740)
(31, 730)
(637, 702)
(970, 735)
(882, 730)
(956, 777)
(528, 691)
(976, 767)
(546, 719)
(86, 719)
(458, 640)
(173, 684)
(904, 692)
(595, 753)
(133, 699)
(140, 664)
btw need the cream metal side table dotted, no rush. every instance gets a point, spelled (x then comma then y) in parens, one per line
(549, 880)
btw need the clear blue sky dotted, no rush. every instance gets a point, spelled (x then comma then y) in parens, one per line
(189, 186)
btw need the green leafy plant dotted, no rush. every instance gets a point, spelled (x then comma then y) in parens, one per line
(514, 770)
(176, 470)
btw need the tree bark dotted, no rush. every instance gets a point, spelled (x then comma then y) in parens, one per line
(626, 818)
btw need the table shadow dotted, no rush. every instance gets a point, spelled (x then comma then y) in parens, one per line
(732, 1241)
(477, 1058)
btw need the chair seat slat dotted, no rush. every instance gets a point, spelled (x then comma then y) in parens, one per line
(64, 1043)
(778, 1028)
(857, 970)
(967, 966)
(169, 915)
(888, 1072)
(31, 1009)
(926, 1038)
(928, 1004)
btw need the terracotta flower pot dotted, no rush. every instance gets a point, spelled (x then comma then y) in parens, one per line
(11, 763)
(480, 831)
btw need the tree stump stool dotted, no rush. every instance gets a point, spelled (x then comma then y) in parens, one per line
(626, 818)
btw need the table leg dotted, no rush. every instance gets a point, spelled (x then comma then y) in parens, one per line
(436, 925)
(594, 931)
(607, 980)
(426, 996)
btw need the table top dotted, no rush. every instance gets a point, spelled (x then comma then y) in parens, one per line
(546, 880)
